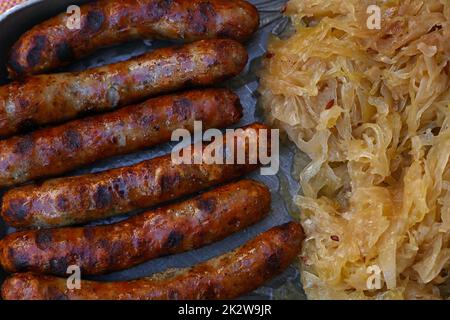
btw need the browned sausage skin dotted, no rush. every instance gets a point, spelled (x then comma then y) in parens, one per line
(108, 22)
(54, 98)
(53, 151)
(75, 200)
(175, 228)
(225, 277)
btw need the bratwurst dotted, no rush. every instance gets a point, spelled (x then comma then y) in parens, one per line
(175, 228)
(75, 200)
(53, 151)
(224, 277)
(54, 98)
(104, 23)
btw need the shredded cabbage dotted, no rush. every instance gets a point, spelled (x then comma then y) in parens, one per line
(371, 109)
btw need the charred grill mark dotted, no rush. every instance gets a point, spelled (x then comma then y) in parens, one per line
(23, 103)
(183, 108)
(211, 61)
(72, 140)
(174, 239)
(89, 233)
(62, 203)
(158, 9)
(234, 222)
(102, 197)
(24, 146)
(207, 10)
(59, 265)
(116, 250)
(173, 294)
(196, 22)
(94, 20)
(210, 292)
(47, 47)
(137, 243)
(17, 210)
(273, 262)
(19, 260)
(207, 205)
(64, 51)
(226, 32)
(103, 243)
(169, 182)
(34, 56)
(207, 14)
(44, 239)
(147, 120)
(200, 17)
(120, 187)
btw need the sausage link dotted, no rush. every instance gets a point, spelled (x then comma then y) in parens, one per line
(53, 151)
(80, 199)
(54, 98)
(176, 228)
(108, 22)
(224, 277)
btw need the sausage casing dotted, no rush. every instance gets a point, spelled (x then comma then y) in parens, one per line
(80, 199)
(53, 151)
(175, 228)
(54, 98)
(108, 22)
(224, 277)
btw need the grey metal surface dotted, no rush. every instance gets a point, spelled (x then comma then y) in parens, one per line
(14, 22)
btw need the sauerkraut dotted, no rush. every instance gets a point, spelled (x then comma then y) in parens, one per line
(371, 109)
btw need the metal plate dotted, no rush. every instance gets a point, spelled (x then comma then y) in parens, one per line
(19, 19)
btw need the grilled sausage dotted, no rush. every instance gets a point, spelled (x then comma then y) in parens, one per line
(74, 200)
(167, 230)
(54, 98)
(225, 277)
(53, 151)
(108, 22)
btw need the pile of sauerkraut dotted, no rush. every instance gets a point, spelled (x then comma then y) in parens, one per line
(371, 109)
